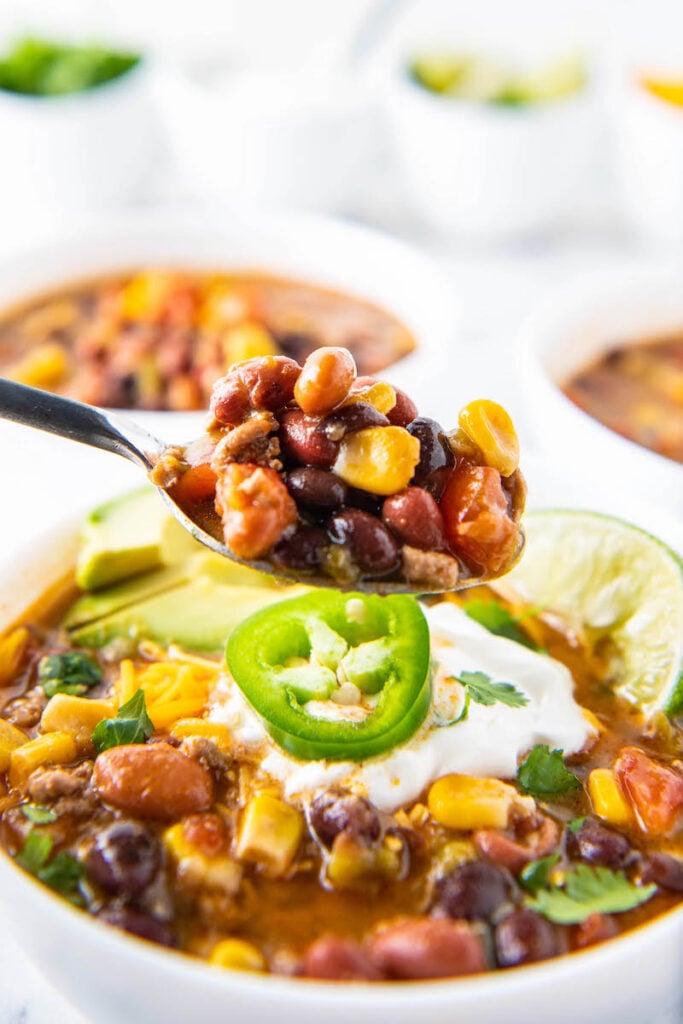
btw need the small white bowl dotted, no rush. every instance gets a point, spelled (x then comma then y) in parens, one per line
(573, 327)
(487, 171)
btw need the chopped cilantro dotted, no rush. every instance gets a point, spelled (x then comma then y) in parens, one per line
(575, 825)
(38, 815)
(35, 852)
(543, 774)
(497, 619)
(131, 725)
(72, 673)
(481, 689)
(589, 891)
(536, 874)
(63, 873)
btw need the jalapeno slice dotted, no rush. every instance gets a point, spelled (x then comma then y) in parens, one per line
(305, 648)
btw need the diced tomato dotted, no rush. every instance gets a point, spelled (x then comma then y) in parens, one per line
(198, 483)
(478, 525)
(654, 791)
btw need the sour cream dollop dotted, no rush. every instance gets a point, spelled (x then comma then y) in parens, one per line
(488, 743)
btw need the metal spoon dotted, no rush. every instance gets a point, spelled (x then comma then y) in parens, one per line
(78, 422)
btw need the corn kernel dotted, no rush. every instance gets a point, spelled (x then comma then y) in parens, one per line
(216, 731)
(51, 748)
(42, 367)
(223, 304)
(455, 853)
(146, 295)
(378, 459)
(76, 716)
(238, 955)
(195, 867)
(490, 427)
(464, 802)
(247, 341)
(270, 833)
(380, 395)
(12, 650)
(607, 798)
(10, 739)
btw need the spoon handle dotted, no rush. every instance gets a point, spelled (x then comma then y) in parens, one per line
(66, 418)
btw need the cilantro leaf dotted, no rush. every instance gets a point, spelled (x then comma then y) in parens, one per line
(574, 826)
(589, 891)
(131, 725)
(35, 852)
(498, 620)
(543, 774)
(483, 690)
(38, 815)
(74, 673)
(63, 874)
(536, 874)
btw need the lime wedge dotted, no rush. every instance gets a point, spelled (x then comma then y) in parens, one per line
(611, 582)
(551, 82)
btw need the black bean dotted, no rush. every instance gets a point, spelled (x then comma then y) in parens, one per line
(124, 858)
(373, 547)
(597, 844)
(357, 416)
(364, 500)
(474, 890)
(524, 937)
(436, 457)
(140, 923)
(316, 488)
(664, 870)
(333, 812)
(303, 551)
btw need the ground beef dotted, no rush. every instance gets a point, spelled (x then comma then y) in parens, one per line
(251, 441)
(47, 784)
(432, 569)
(25, 712)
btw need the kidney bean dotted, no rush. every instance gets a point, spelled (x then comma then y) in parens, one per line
(664, 870)
(270, 380)
(316, 488)
(124, 858)
(152, 781)
(425, 947)
(255, 507)
(405, 410)
(474, 890)
(140, 923)
(597, 844)
(475, 513)
(303, 440)
(512, 854)
(303, 551)
(334, 812)
(351, 418)
(523, 937)
(596, 928)
(325, 380)
(334, 958)
(230, 401)
(436, 457)
(372, 546)
(415, 518)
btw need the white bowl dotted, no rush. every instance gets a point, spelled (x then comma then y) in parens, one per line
(489, 171)
(113, 977)
(573, 327)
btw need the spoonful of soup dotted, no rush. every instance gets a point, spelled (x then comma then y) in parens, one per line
(314, 474)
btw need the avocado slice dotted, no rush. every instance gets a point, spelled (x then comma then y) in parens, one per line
(198, 615)
(121, 538)
(97, 605)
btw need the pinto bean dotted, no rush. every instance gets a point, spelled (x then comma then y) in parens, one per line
(426, 947)
(152, 781)
(334, 958)
(325, 380)
(523, 937)
(415, 518)
(255, 506)
(270, 380)
(335, 812)
(512, 854)
(303, 440)
(230, 401)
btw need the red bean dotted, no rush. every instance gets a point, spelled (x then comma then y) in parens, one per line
(230, 401)
(405, 410)
(334, 958)
(513, 854)
(436, 457)
(523, 937)
(303, 441)
(597, 844)
(372, 546)
(270, 380)
(333, 812)
(425, 947)
(316, 488)
(474, 890)
(303, 551)
(124, 858)
(415, 518)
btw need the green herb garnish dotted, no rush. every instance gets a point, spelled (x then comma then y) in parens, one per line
(482, 690)
(574, 826)
(35, 852)
(543, 774)
(536, 874)
(38, 67)
(38, 815)
(498, 620)
(63, 873)
(589, 891)
(131, 725)
(74, 673)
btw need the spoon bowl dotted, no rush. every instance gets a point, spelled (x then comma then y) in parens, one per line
(75, 421)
